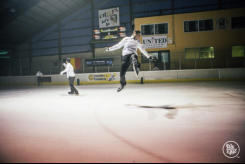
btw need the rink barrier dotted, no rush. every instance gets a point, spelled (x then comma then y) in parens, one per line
(148, 76)
(145, 81)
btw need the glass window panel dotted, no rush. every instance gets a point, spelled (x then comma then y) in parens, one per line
(165, 58)
(161, 28)
(206, 25)
(191, 53)
(206, 53)
(238, 22)
(238, 51)
(147, 29)
(191, 26)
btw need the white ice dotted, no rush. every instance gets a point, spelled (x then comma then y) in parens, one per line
(45, 124)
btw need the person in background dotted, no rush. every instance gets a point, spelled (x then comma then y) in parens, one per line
(69, 70)
(39, 75)
(155, 68)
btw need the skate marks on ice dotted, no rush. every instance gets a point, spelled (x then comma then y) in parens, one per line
(128, 142)
(153, 111)
(153, 107)
(169, 107)
(67, 95)
(170, 111)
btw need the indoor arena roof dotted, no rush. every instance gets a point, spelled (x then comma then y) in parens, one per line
(20, 19)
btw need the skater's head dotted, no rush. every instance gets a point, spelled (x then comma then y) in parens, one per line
(137, 35)
(68, 60)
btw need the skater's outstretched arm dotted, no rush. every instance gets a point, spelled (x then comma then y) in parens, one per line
(143, 51)
(117, 46)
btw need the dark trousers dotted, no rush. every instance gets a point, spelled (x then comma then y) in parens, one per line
(71, 83)
(38, 81)
(126, 61)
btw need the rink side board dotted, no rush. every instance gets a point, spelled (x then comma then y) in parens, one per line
(148, 77)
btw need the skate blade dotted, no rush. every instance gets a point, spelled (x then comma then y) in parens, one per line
(137, 75)
(119, 90)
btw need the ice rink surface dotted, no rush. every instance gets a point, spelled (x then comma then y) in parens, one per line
(168, 122)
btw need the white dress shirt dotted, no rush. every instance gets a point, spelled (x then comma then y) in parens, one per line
(130, 46)
(39, 73)
(69, 70)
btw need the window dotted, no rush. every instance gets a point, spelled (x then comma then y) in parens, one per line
(206, 25)
(238, 22)
(206, 53)
(191, 53)
(165, 57)
(161, 28)
(199, 53)
(221, 23)
(147, 29)
(198, 25)
(162, 60)
(153, 29)
(238, 51)
(191, 26)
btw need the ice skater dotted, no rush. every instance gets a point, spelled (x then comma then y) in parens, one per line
(69, 70)
(129, 55)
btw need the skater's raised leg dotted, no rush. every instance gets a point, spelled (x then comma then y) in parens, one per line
(136, 65)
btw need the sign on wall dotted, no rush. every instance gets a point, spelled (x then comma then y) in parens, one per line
(109, 18)
(109, 33)
(99, 62)
(102, 77)
(155, 41)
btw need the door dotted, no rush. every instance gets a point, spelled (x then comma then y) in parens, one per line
(164, 57)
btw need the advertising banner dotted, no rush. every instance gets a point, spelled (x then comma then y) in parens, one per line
(155, 41)
(109, 18)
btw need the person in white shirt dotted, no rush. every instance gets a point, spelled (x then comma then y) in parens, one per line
(39, 75)
(129, 54)
(69, 70)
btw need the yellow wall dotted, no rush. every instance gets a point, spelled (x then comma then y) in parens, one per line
(221, 40)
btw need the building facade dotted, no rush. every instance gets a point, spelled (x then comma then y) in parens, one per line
(210, 39)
